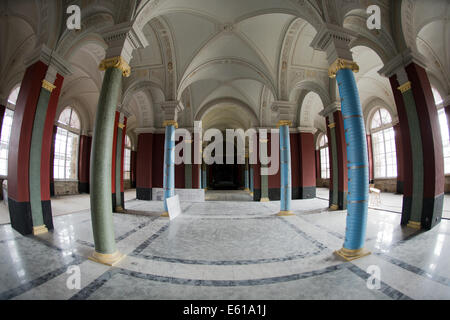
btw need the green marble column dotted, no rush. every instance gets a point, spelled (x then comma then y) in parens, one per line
(35, 159)
(417, 155)
(101, 162)
(264, 186)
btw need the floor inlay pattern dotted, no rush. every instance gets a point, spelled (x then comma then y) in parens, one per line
(227, 250)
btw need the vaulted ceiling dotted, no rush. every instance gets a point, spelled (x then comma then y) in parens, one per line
(226, 61)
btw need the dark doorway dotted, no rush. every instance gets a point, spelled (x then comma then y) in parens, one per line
(225, 177)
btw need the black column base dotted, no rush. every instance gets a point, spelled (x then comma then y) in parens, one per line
(307, 193)
(406, 210)
(114, 201)
(47, 214)
(20, 215)
(275, 194)
(330, 199)
(257, 195)
(144, 194)
(342, 200)
(83, 187)
(400, 187)
(432, 211)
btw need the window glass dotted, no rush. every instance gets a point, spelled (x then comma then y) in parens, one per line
(383, 145)
(65, 165)
(6, 132)
(127, 160)
(324, 157)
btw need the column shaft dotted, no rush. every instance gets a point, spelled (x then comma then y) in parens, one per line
(247, 176)
(286, 179)
(101, 163)
(358, 170)
(35, 159)
(118, 170)
(144, 167)
(169, 164)
(334, 171)
(307, 166)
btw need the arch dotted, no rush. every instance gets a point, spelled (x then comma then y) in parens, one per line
(148, 89)
(304, 9)
(372, 106)
(226, 67)
(82, 112)
(210, 105)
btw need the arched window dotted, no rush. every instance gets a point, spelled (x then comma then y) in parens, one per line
(444, 130)
(383, 143)
(6, 132)
(324, 157)
(127, 161)
(66, 145)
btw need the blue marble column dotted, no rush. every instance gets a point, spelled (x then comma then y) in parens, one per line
(285, 159)
(358, 164)
(169, 165)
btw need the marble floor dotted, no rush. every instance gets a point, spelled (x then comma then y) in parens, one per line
(224, 250)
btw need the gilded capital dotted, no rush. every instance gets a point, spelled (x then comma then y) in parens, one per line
(116, 62)
(170, 123)
(342, 64)
(405, 87)
(48, 86)
(284, 123)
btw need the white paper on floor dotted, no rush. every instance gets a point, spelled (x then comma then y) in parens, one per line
(173, 206)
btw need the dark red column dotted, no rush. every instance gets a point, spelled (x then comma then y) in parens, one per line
(433, 160)
(307, 166)
(122, 152)
(158, 160)
(144, 165)
(256, 171)
(113, 164)
(447, 113)
(2, 116)
(195, 170)
(84, 163)
(46, 157)
(330, 157)
(133, 161)
(406, 150)
(19, 150)
(274, 180)
(318, 168)
(400, 158)
(370, 155)
(295, 165)
(342, 160)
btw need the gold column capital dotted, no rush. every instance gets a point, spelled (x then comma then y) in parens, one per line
(48, 86)
(284, 123)
(405, 87)
(342, 64)
(332, 125)
(170, 123)
(116, 62)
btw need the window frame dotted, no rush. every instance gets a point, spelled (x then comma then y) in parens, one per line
(383, 129)
(73, 131)
(325, 148)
